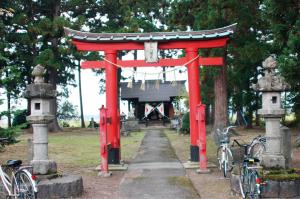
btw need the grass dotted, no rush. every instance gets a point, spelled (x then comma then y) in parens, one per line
(181, 181)
(74, 148)
(181, 145)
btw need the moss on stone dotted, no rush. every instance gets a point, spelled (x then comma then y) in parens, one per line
(282, 174)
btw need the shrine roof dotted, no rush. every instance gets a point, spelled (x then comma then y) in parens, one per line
(152, 36)
(163, 93)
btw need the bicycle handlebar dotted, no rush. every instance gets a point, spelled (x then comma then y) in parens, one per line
(245, 146)
(229, 127)
(235, 141)
(226, 130)
(240, 145)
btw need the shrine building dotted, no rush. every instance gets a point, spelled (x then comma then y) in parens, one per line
(153, 94)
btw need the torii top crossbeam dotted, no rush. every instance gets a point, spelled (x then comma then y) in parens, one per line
(215, 38)
(135, 41)
(190, 41)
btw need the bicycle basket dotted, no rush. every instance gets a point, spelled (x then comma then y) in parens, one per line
(220, 137)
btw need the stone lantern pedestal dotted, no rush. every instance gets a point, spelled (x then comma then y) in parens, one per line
(50, 184)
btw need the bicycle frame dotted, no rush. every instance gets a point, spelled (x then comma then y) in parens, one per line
(7, 181)
(224, 152)
(224, 147)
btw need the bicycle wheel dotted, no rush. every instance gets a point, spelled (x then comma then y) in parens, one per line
(23, 186)
(257, 150)
(243, 182)
(253, 189)
(220, 156)
(229, 159)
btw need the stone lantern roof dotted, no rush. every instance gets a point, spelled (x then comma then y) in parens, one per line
(39, 89)
(272, 81)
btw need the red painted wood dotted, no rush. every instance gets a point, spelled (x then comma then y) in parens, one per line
(94, 46)
(103, 140)
(200, 116)
(207, 61)
(194, 94)
(112, 98)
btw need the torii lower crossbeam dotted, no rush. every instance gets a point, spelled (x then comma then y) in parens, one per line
(203, 61)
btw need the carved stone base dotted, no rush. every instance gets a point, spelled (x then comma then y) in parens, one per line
(60, 187)
(44, 167)
(273, 161)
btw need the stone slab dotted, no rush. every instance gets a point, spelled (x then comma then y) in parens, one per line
(117, 167)
(67, 186)
(203, 171)
(273, 161)
(104, 174)
(195, 165)
(271, 189)
(156, 165)
(114, 167)
(288, 189)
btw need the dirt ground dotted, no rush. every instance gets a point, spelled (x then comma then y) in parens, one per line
(104, 188)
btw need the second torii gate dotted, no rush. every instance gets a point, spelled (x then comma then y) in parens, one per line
(111, 43)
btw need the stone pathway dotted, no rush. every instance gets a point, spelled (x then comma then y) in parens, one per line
(156, 172)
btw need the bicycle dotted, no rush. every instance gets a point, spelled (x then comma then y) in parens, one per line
(224, 154)
(257, 147)
(249, 182)
(17, 181)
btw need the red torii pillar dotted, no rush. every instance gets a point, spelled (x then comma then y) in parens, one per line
(111, 83)
(194, 100)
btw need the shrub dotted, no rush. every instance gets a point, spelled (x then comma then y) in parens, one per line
(65, 124)
(11, 134)
(185, 128)
(20, 118)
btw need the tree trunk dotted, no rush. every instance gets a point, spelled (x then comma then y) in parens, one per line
(80, 96)
(250, 118)
(53, 74)
(257, 118)
(221, 105)
(239, 117)
(53, 126)
(8, 109)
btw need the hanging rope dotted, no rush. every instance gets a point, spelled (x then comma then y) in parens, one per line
(154, 73)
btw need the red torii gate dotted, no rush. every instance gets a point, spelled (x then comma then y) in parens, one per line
(191, 42)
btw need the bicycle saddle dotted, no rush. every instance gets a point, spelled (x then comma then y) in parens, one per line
(251, 160)
(13, 163)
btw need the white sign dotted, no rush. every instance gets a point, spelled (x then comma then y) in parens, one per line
(151, 55)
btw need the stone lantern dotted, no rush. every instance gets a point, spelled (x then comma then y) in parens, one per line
(278, 141)
(40, 95)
